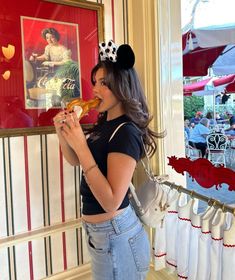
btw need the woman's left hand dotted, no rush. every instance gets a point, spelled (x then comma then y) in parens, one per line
(48, 63)
(73, 133)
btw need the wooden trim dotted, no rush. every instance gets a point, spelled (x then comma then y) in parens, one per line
(87, 5)
(15, 132)
(39, 233)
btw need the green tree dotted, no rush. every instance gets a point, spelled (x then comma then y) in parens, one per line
(192, 104)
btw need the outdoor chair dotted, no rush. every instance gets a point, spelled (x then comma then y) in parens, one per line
(192, 152)
(217, 144)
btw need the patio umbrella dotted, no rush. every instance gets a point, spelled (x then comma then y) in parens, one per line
(225, 62)
(210, 86)
(198, 61)
(199, 86)
(209, 31)
(212, 21)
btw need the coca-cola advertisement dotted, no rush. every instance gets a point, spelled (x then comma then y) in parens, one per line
(50, 52)
(47, 51)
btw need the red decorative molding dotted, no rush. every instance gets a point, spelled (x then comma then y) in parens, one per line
(204, 172)
(228, 246)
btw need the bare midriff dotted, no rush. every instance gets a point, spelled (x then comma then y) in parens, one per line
(99, 218)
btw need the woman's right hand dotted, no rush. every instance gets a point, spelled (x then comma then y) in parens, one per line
(59, 121)
(68, 152)
(33, 57)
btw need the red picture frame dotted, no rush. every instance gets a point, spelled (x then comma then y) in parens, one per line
(81, 28)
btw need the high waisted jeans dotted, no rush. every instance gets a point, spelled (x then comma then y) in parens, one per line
(119, 248)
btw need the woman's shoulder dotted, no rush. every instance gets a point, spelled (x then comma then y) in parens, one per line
(129, 132)
(62, 47)
(127, 125)
(127, 139)
(131, 127)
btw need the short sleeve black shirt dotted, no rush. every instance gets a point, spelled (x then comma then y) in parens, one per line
(127, 140)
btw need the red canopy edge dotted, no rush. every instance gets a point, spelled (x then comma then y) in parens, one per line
(197, 61)
(188, 89)
(200, 86)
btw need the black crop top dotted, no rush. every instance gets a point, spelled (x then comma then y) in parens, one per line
(127, 140)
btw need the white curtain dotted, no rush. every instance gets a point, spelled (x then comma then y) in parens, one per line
(196, 246)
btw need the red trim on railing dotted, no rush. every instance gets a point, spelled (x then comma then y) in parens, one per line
(183, 277)
(217, 239)
(185, 219)
(229, 245)
(171, 264)
(204, 172)
(159, 256)
(195, 226)
(172, 212)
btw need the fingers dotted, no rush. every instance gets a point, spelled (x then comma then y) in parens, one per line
(72, 120)
(66, 120)
(76, 116)
(78, 110)
(60, 117)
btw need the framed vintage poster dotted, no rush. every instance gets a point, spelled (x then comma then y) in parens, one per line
(47, 50)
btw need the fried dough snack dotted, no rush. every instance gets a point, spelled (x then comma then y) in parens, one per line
(82, 107)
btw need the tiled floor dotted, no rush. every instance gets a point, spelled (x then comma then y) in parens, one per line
(153, 275)
(160, 275)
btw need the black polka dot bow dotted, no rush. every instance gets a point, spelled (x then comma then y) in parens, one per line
(108, 51)
(123, 56)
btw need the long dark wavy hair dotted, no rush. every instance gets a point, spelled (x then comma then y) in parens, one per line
(126, 87)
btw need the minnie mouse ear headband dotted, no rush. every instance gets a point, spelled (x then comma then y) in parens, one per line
(122, 55)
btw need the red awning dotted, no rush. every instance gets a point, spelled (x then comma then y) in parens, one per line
(211, 85)
(188, 89)
(197, 61)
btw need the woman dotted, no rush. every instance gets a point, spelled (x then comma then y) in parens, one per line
(55, 54)
(198, 135)
(117, 242)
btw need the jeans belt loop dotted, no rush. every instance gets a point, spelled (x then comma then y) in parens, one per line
(115, 226)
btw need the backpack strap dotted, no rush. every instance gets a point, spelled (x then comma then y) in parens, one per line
(115, 131)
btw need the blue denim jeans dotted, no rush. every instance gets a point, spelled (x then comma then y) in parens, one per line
(119, 248)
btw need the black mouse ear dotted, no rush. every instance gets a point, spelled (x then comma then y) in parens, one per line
(125, 57)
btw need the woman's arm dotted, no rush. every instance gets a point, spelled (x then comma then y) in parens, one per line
(41, 57)
(120, 168)
(204, 135)
(37, 57)
(67, 151)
